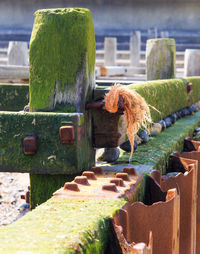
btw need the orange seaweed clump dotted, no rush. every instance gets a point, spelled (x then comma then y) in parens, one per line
(137, 112)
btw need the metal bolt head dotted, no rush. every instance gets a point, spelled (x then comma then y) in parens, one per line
(117, 182)
(123, 176)
(71, 186)
(90, 175)
(67, 134)
(81, 180)
(109, 187)
(30, 145)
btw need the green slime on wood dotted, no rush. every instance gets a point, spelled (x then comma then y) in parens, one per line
(62, 53)
(62, 226)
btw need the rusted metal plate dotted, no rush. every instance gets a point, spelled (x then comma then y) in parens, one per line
(196, 156)
(191, 145)
(135, 222)
(187, 184)
(97, 184)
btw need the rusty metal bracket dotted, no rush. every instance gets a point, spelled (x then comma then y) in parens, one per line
(191, 145)
(97, 184)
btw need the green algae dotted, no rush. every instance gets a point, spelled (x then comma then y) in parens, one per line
(156, 152)
(13, 97)
(52, 157)
(62, 46)
(166, 96)
(62, 226)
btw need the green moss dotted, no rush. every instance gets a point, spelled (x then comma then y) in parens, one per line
(156, 152)
(13, 97)
(62, 53)
(194, 95)
(43, 186)
(167, 96)
(52, 157)
(62, 226)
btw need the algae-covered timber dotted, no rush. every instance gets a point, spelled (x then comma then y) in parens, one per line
(156, 152)
(62, 62)
(62, 226)
(81, 226)
(62, 59)
(163, 96)
(13, 97)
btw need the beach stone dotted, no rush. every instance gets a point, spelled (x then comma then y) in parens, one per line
(144, 136)
(197, 104)
(168, 122)
(186, 111)
(163, 124)
(196, 132)
(110, 154)
(193, 108)
(126, 146)
(156, 129)
(173, 117)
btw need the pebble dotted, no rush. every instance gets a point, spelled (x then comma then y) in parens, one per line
(156, 129)
(163, 124)
(197, 130)
(144, 136)
(193, 108)
(110, 154)
(197, 104)
(173, 117)
(126, 146)
(11, 186)
(168, 122)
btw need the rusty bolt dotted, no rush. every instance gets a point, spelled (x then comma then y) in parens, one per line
(67, 134)
(130, 171)
(30, 144)
(81, 180)
(123, 176)
(97, 170)
(109, 187)
(117, 182)
(71, 187)
(90, 175)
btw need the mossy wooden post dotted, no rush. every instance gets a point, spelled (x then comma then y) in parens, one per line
(160, 59)
(62, 61)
